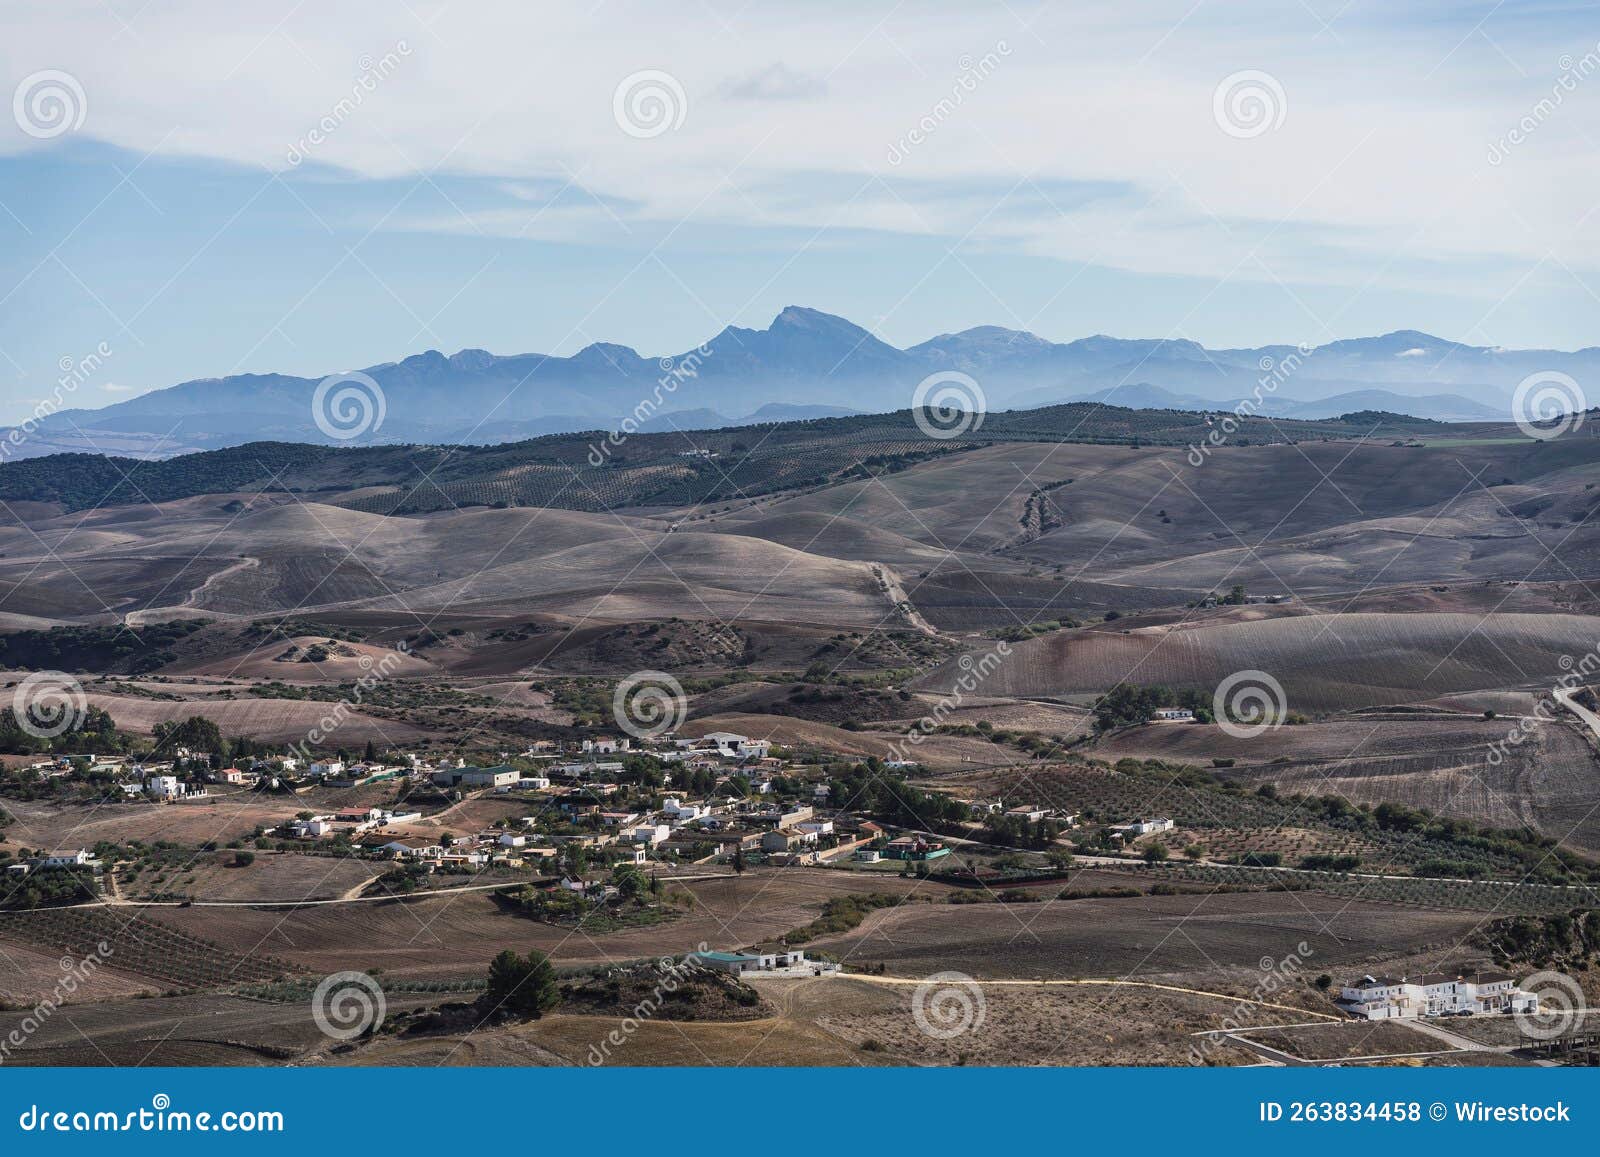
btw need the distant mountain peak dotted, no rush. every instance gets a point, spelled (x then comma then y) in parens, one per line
(609, 353)
(802, 317)
(812, 363)
(472, 359)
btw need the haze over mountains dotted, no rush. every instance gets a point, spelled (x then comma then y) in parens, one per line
(812, 364)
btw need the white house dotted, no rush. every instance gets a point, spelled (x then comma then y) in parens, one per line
(763, 962)
(1435, 994)
(1173, 714)
(65, 858)
(1146, 827)
(411, 848)
(651, 834)
(534, 783)
(609, 745)
(683, 812)
(165, 787)
(731, 745)
(512, 840)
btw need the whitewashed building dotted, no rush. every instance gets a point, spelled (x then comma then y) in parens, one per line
(1435, 994)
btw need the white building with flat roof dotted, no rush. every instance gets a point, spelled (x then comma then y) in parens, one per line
(1435, 994)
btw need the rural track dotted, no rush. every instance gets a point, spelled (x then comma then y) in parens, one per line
(902, 601)
(1564, 696)
(346, 899)
(245, 562)
(901, 980)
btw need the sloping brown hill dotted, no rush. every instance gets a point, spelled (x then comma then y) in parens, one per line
(1324, 662)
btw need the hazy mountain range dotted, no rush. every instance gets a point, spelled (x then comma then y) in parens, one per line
(813, 364)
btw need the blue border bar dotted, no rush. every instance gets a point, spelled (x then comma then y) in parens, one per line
(1048, 1110)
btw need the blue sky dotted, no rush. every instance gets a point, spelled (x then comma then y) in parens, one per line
(1065, 169)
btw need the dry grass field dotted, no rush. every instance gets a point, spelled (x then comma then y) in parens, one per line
(1144, 938)
(30, 973)
(269, 720)
(1339, 1042)
(277, 877)
(1324, 662)
(456, 935)
(1101, 1025)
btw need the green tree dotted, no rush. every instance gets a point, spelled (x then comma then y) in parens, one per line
(630, 881)
(523, 985)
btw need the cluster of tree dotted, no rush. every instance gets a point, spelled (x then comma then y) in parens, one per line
(1126, 704)
(195, 733)
(81, 481)
(48, 888)
(121, 648)
(1259, 859)
(1325, 862)
(889, 799)
(1567, 938)
(92, 729)
(842, 913)
(1539, 855)
(1018, 832)
(1449, 869)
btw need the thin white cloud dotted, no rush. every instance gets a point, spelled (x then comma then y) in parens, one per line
(775, 82)
(1378, 168)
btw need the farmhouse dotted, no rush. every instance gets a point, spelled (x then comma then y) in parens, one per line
(914, 848)
(1435, 994)
(65, 858)
(1030, 812)
(473, 777)
(651, 834)
(1173, 714)
(775, 961)
(405, 847)
(1145, 827)
(169, 787)
(779, 840)
(683, 812)
(731, 745)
